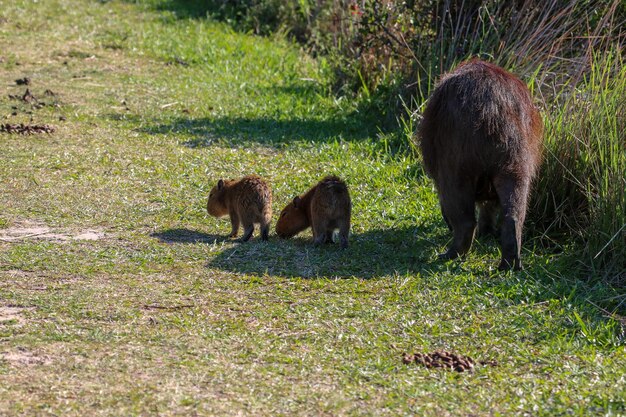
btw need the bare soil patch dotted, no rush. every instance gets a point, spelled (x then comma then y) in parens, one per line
(34, 230)
(22, 357)
(34, 281)
(10, 313)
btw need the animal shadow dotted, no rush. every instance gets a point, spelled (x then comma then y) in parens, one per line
(187, 236)
(372, 254)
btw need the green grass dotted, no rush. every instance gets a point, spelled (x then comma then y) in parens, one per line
(163, 315)
(582, 186)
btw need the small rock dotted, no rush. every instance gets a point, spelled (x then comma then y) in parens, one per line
(23, 81)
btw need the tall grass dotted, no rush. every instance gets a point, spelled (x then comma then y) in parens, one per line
(570, 54)
(550, 41)
(581, 190)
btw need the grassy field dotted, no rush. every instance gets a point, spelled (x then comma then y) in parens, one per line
(119, 295)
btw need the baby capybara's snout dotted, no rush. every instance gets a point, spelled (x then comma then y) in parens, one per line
(292, 220)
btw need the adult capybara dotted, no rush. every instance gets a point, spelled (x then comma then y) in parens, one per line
(481, 141)
(246, 201)
(325, 207)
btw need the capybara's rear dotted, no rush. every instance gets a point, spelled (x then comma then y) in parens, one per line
(247, 201)
(325, 207)
(481, 141)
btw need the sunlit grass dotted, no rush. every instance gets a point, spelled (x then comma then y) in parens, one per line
(162, 315)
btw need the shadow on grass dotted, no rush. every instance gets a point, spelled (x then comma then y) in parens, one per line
(412, 250)
(187, 236)
(196, 9)
(234, 13)
(372, 254)
(264, 131)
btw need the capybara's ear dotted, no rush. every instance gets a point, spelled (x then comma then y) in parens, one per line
(296, 202)
(220, 184)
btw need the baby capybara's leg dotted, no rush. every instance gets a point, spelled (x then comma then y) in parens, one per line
(513, 194)
(319, 227)
(344, 230)
(234, 221)
(265, 231)
(487, 214)
(248, 229)
(458, 205)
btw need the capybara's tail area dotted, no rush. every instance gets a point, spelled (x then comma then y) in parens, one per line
(262, 204)
(337, 195)
(338, 189)
(335, 185)
(266, 214)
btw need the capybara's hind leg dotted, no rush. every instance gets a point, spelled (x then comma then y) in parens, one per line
(458, 206)
(487, 215)
(443, 214)
(319, 227)
(329, 236)
(265, 231)
(344, 230)
(248, 229)
(513, 195)
(234, 221)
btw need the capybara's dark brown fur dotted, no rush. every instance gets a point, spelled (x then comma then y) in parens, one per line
(325, 207)
(481, 141)
(247, 201)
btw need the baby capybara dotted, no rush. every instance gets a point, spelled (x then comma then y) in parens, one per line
(325, 207)
(246, 201)
(481, 143)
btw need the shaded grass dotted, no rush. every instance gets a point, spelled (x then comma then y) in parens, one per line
(165, 316)
(264, 131)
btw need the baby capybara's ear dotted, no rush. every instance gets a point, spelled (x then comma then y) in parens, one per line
(220, 184)
(296, 202)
